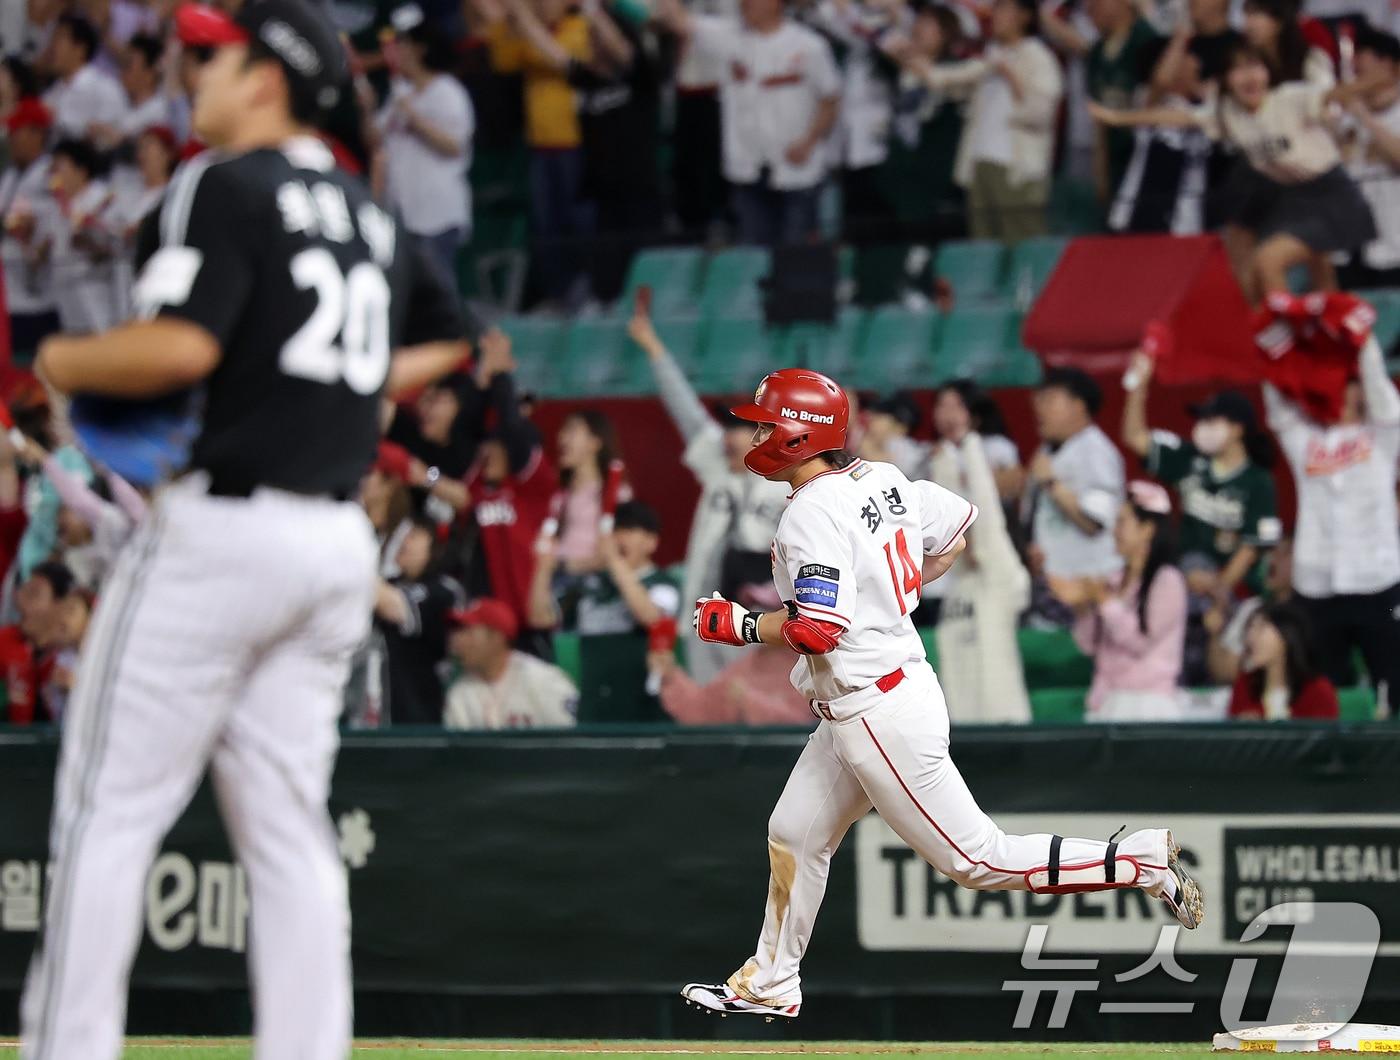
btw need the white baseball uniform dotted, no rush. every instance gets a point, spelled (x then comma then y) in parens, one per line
(849, 551)
(224, 634)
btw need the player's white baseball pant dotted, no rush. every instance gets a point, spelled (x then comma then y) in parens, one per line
(894, 756)
(222, 639)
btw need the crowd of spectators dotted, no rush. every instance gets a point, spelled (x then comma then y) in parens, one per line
(886, 120)
(495, 540)
(1172, 582)
(1280, 128)
(764, 121)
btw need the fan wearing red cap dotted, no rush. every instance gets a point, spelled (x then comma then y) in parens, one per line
(850, 557)
(501, 688)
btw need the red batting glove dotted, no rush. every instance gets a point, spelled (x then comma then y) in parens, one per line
(721, 621)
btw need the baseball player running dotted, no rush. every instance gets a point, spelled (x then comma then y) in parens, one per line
(851, 552)
(272, 282)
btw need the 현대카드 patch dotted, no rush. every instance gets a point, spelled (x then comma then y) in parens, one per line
(817, 584)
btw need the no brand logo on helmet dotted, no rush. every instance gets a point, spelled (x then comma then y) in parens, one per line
(804, 416)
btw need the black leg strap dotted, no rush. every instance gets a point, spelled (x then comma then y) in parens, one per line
(1110, 856)
(1054, 865)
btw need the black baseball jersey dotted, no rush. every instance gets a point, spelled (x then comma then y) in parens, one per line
(308, 285)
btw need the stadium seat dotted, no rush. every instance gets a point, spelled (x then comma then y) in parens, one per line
(1032, 262)
(1057, 672)
(736, 354)
(599, 358)
(1051, 659)
(681, 336)
(538, 345)
(731, 282)
(1058, 706)
(566, 652)
(827, 348)
(978, 343)
(1386, 302)
(1357, 704)
(896, 349)
(973, 269)
(1020, 368)
(672, 273)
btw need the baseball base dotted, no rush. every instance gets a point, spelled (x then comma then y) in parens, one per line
(1312, 1038)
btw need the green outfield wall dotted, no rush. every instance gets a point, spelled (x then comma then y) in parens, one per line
(568, 883)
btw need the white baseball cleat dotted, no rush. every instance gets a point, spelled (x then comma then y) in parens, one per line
(1188, 905)
(719, 998)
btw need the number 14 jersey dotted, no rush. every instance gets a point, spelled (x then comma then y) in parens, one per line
(849, 550)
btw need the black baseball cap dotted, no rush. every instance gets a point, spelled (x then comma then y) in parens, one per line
(1227, 405)
(295, 32)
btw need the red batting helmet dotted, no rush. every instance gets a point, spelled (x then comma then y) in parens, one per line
(808, 413)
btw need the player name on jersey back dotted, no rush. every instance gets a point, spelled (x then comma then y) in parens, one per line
(306, 284)
(849, 551)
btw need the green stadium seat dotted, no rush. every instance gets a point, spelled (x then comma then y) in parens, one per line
(896, 349)
(672, 273)
(1357, 704)
(600, 359)
(828, 348)
(731, 282)
(1032, 262)
(566, 652)
(681, 335)
(736, 352)
(1052, 662)
(1386, 302)
(977, 343)
(538, 344)
(1019, 368)
(1051, 659)
(973, 268)
(1058, 706)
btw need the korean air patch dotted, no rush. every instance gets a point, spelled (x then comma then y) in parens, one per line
(817, 584)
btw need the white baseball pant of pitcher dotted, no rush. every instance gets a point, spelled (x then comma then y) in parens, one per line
(222, 640)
